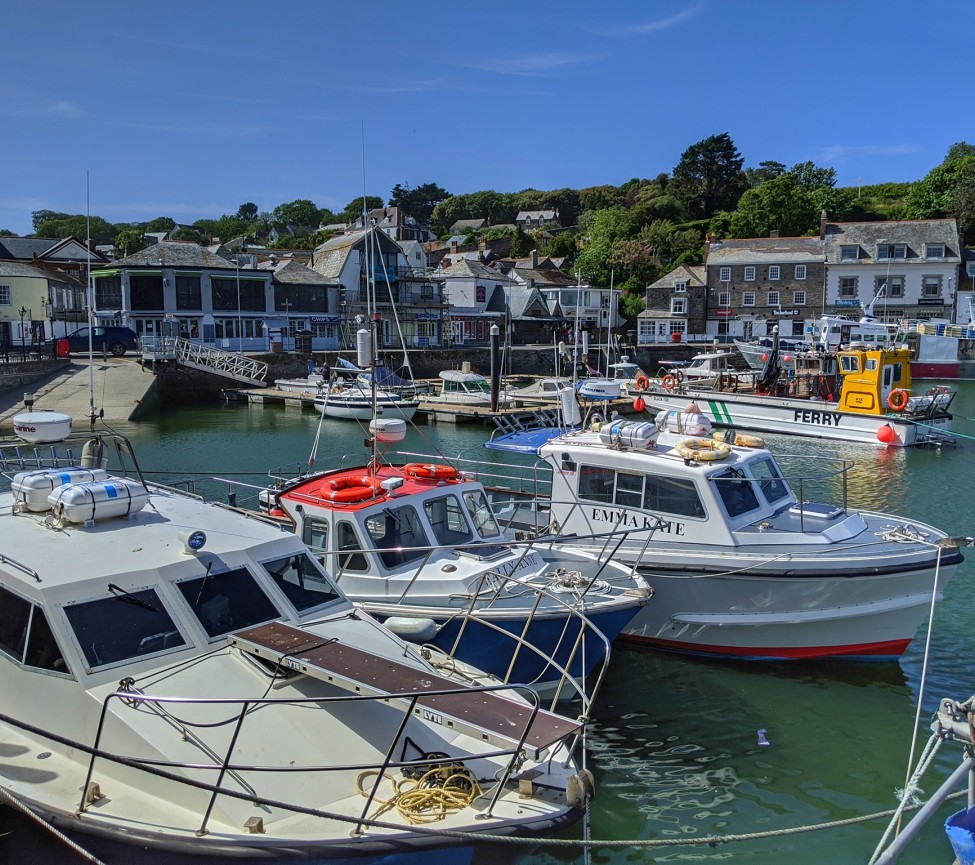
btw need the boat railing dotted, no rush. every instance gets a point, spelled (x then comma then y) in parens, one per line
(492, 587)
(220, 760)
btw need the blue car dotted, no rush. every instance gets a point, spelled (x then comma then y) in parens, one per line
(104, 338)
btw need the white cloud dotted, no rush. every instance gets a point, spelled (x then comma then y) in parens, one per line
(655, 26)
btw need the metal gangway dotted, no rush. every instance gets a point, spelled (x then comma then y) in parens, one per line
(205, 358)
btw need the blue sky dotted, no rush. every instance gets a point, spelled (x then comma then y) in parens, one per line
(188, 109)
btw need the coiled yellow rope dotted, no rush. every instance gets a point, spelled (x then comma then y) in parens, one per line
(440, 791)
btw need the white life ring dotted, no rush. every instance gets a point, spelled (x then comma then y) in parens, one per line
(702, 450)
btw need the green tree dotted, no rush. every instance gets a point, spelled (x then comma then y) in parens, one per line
(39, 217)
(161, 223)
(447, 213)
(419, 202)
(521, 244)
(102, 231)
(563, 245)
(600, 198)
(839, 204)
(353, 210)
(961, 202)
(709, 177)
(633, 257)
(6, 232)
(130, 240)
(937, 194)
(301, 213)
(766, 171)
(599, 231)
(960, 150)
(247, 211)
(779, 205)
(811, 176)
(632, 301)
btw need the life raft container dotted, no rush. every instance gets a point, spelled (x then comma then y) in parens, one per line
(345, 490)
(702, 450)
(733, 437)
(31, 489)
(691, 421)
(897, 399)
(97, 500)
(632, 435)
(430, 471)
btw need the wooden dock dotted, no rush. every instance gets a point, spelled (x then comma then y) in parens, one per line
(430, 411)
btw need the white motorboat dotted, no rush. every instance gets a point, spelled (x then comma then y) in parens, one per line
(418, 546)
(351, 398)
(459, 387)
(543, 392)
(313, 383)
(740, 564)
(184, 683)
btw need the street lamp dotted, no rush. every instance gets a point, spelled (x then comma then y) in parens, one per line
(23, 346)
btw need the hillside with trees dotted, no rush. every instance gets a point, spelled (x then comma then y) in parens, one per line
(628, 235)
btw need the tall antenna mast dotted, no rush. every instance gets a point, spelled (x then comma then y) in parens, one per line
(90, 293)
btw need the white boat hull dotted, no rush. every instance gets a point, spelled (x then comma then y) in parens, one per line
(361, 409)
(801, 417)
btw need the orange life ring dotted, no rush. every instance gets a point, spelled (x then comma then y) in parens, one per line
(434, 471)
(349, 489)
(897, 399)
(669, 381)
(642, 382)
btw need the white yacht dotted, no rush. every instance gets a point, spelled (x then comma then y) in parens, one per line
(470, 389)
(184, 683)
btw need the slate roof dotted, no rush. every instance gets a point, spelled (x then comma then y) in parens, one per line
(465, 225)
(461, 267)
(915, 233)
(766, 250)
(295, 273)
(24, 247)
(691, 274)
(330, 257)
(20, 268)
(174, 253)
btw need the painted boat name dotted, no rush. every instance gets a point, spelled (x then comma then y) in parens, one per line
(823, 418)
(636, 521)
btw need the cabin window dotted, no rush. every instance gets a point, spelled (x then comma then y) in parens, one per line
(302, 581)
(123, 626)
(398, 535)
(446, 515)
(736, 493)
(227, 601)
(481, 514)
(849, 363)
(314, 534)
(898, 371)
(26, 636)
(350, 557)
(870, 364)
(672, 496)
(596, 484)
(772, 484)
(661, 495)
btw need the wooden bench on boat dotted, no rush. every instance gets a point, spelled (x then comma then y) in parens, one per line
(486, 715)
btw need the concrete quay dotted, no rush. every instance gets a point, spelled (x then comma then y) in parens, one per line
(120, 387)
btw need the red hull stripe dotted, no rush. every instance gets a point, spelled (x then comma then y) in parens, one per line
(886, 649)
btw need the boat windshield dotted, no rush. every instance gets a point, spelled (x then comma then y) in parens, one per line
(123, 626)
(398, 534)
(773, 485)
(227, 602)
(303, 582)
(736, 492)
(481, 514)
(446, 515)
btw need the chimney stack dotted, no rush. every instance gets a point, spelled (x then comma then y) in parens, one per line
(822, 225)
(534, 258)
(453, 247)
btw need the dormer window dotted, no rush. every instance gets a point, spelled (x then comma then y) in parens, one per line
(891, 250)
(680, 286)
(849, 253)
(934, 250)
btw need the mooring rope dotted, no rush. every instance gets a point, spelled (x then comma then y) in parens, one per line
(57, 833)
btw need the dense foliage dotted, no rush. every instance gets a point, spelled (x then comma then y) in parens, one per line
(629, 234)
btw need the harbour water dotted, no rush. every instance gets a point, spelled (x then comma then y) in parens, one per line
(674, 743)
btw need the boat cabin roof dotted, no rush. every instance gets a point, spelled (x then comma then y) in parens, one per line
(460, 376)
